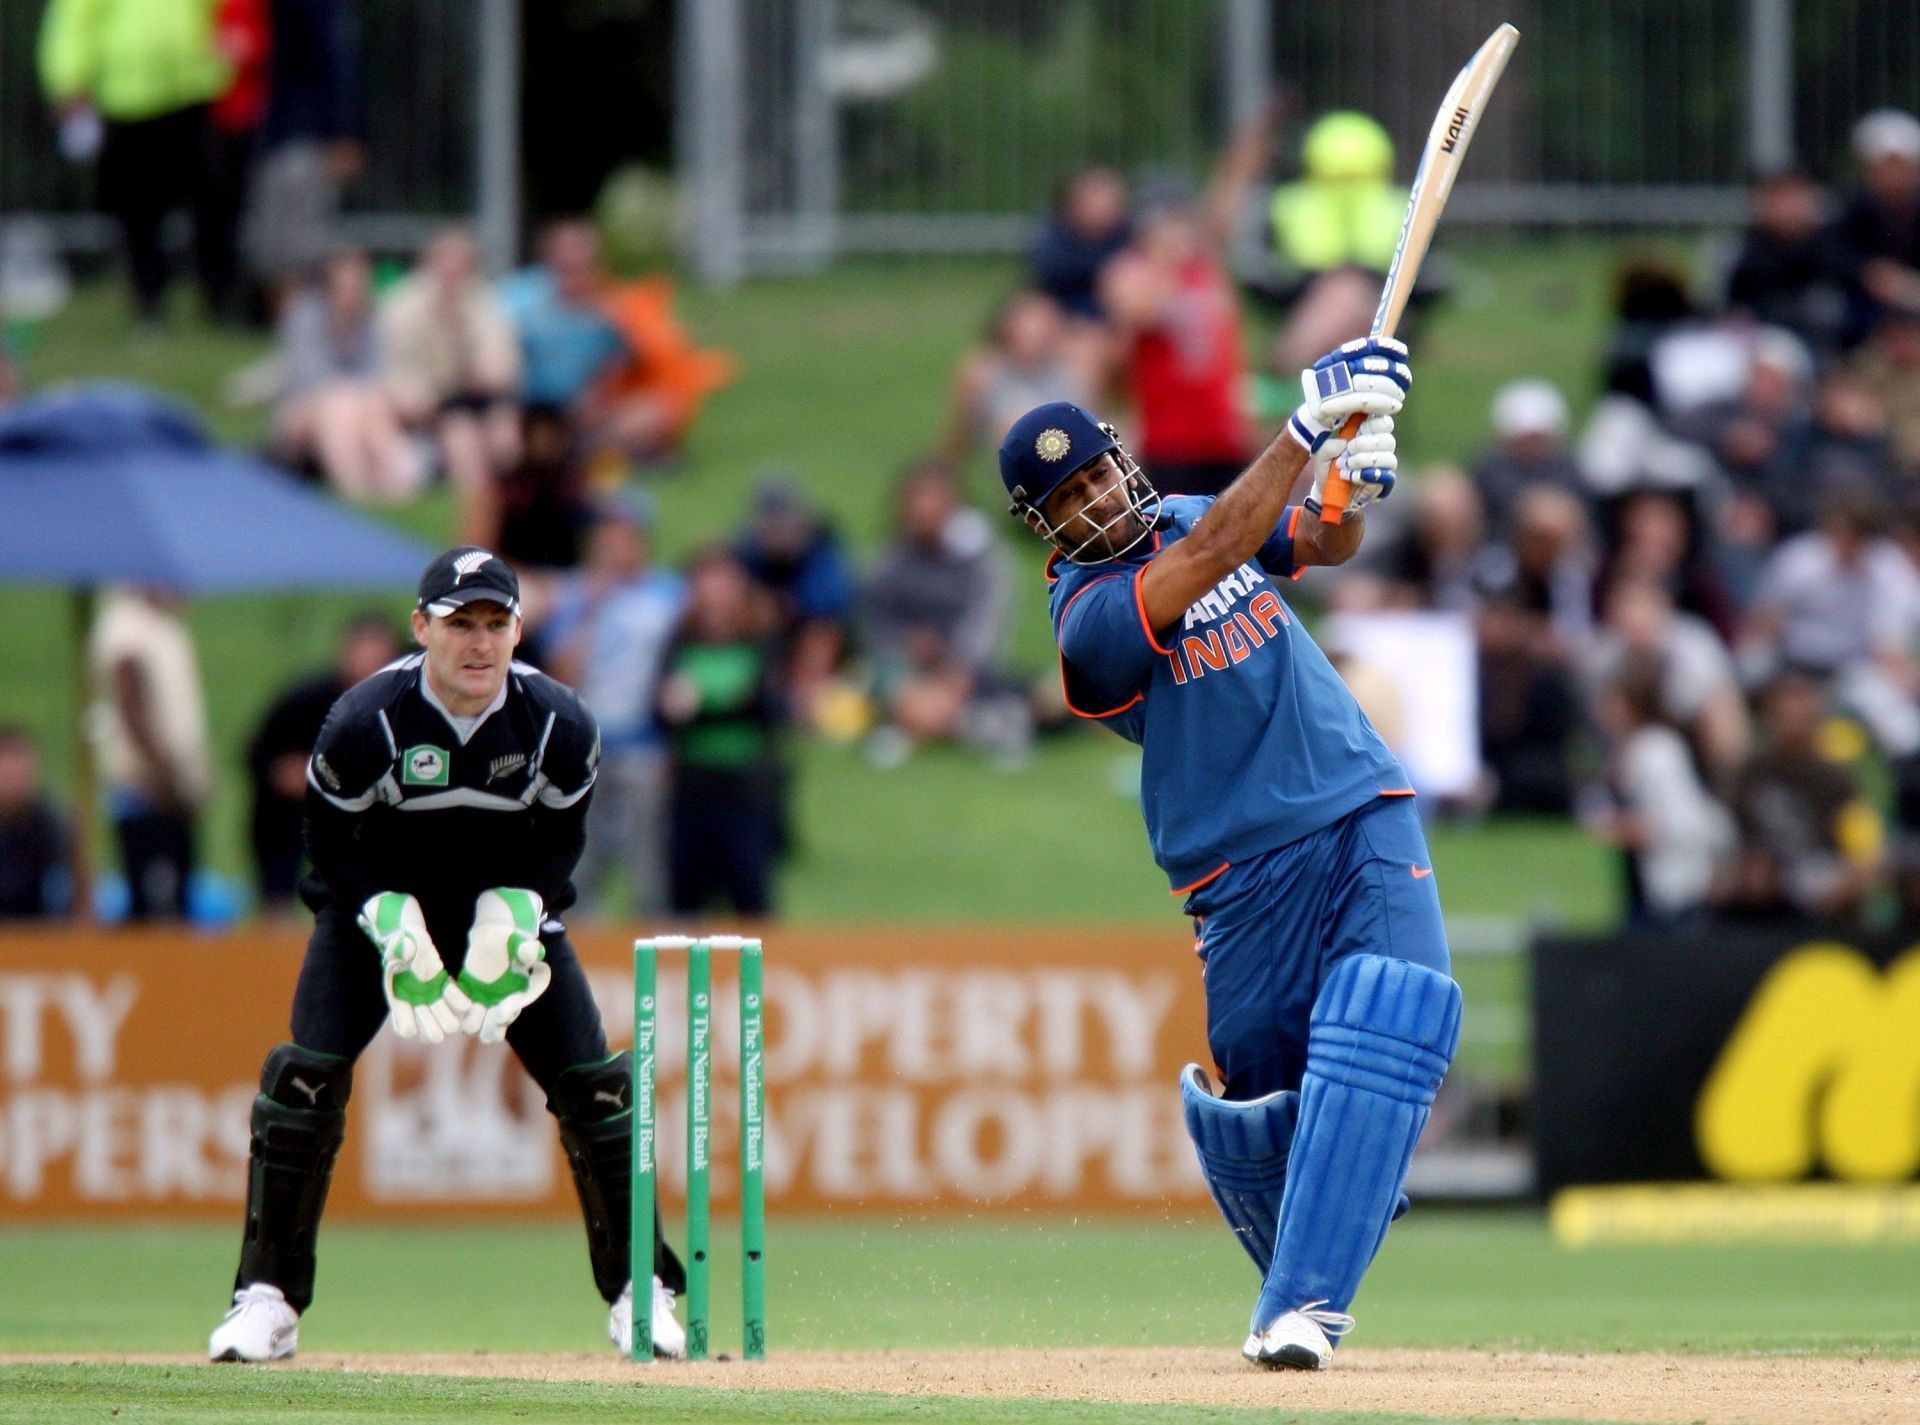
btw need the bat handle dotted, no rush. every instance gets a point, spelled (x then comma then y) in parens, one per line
(1335, 492)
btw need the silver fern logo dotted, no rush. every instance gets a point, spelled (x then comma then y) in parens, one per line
(505, 766)
(469, 563)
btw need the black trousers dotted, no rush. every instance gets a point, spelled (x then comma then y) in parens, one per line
(148, 169)
(339, 1005)
(156, 855)
(723, 837)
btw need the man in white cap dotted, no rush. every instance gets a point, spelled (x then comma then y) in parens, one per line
(1529, 421)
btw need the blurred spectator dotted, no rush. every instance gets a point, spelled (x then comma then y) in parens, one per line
(931, 621)
(452, 363)
(1877, 234)
(1546, 564)
(34, 879)
(1675, 837)
(149, 723)
(1809, 843)
(335, 411)
(1650, 302)
(1089, 224)
(1656, 537)
(1529, 710)
(1334, 232)
(1785, 274)
(1840, 449)
(148, 69)
(795, 558)
(1530, 433)
(310, 144)
(720, 705)
(1026, 361)
(243, 34)
(277, 756)
(1178, 319)
(567, 343)
(1698, 691)
(644, 411)
(1843, 603)
(544, 505)
(1433, 560)
(1889, 369)
(608, 636)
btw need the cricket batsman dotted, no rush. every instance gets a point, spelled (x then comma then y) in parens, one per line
(446, 808)
(1276, 810)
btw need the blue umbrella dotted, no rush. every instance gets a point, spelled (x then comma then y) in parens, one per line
(105, 484)
(113, 484)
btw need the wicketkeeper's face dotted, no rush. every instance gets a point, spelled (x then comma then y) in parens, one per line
(470, 650)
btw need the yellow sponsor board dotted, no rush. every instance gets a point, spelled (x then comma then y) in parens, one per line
(1677, 1213)
(1821, 1072)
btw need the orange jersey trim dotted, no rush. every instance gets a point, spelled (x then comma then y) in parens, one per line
(1212, 875)
(1396, 791)
(1140, 605)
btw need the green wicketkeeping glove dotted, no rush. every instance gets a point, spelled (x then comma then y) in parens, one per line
(506, 967)
(422, 998)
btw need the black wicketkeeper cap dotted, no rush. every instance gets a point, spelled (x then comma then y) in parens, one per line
(465, 576)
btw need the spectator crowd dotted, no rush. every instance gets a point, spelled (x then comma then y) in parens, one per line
(1696, 618)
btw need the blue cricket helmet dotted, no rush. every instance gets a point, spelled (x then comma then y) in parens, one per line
(1045, 446)
(1048, 444)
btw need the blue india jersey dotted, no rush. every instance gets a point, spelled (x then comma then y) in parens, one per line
(1250, 739)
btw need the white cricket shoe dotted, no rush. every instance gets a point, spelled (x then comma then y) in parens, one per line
(669, 1339)
(261, 1327)
(1299, 1340)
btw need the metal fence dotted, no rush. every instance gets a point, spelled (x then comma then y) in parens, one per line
(810, 128)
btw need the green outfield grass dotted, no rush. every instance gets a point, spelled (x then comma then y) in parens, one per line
(1446, 1279)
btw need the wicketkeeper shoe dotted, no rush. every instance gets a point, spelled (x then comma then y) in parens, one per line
(261, 1327)
(669, 1339)
(1299, 1340)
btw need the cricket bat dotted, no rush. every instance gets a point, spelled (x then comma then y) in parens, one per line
(1453, 129)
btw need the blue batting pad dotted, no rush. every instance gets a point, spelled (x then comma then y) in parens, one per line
(1382, 1035)
(1243, 1156)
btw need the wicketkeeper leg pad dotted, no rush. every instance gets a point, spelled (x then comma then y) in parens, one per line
(1381, 1037)
(299, 1121)
(593, 1105)
(1242, 1149)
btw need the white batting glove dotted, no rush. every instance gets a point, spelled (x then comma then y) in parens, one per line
(1369, 462)
(422, 1000)
(506, 967)
(1366, 377)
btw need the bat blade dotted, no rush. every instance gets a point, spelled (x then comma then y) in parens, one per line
(1454, 125)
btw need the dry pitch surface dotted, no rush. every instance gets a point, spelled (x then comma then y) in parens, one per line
(1717, 1390)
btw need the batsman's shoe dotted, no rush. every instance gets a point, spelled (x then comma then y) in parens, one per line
(669, 1338)
(261, 1327)
(1300, 1340)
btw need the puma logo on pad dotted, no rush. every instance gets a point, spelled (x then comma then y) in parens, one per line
(312, 1093)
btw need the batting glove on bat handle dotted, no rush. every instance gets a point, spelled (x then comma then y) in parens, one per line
(422, 1000)
(1368, 376)
(1366, 468)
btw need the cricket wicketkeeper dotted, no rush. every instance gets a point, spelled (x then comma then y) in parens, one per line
(446, 809)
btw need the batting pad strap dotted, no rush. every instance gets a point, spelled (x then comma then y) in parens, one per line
(1243, 1150)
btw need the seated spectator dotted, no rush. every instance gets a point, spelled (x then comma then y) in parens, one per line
(1784, 274)
(1888, 366)
(1530, 430)
(1699, 692)
(150, 724)
(1674, 836)
(932, 616)
(1529, 711)
(1876, 237)
(653, 398)
(544, 506)
(35, 883)
(607, 638)
(1026, 361)
(1547, 564)
(568, 344)
(1650, 301)
(335, 412)
(719, 702)
(282, 744)
(1435, 558)
(1843, 604)
(1655, 536)
(1840, 448)
(1090, 222)
(1809, 842)
(452, 365)
(797, 561)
